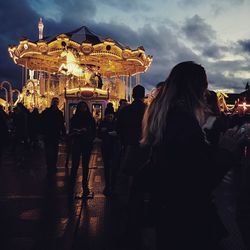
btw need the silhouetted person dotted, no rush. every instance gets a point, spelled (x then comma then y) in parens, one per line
(130, 118)
(129, 128)
(110, 151)
(109, 109)
(34, 127)
(215, 121)
(53, 128)
(20, 118)
(82, 132)
(185, 169)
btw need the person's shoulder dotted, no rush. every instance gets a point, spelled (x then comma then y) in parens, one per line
(124, 111)
(45, 111)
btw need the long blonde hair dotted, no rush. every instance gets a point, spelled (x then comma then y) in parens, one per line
(185, 84)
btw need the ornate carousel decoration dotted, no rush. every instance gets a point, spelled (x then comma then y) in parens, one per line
(77, 64)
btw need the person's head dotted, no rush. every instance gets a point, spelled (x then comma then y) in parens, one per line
(158, 88)
(82, 107)
(138, 92)
(186, 85)
(109, 108)
(212, 102)
(55, 102)
(109, 105)
(123, 103)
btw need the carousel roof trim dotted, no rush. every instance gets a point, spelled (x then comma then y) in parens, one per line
(87, 47)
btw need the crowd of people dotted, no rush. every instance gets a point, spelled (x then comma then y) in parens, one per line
(186, 143)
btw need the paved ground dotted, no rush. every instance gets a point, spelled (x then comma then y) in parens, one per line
(37, 213)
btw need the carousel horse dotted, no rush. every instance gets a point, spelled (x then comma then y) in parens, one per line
(72, 66)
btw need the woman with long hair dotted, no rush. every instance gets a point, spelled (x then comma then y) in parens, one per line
(82, 131)
(185, 169)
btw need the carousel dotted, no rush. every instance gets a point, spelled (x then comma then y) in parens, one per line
(77, 65)
(234, 103)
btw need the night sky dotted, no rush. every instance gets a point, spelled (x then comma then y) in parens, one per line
(213, 33)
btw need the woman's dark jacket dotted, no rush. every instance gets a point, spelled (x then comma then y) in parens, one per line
(80, 121)
(186, 171)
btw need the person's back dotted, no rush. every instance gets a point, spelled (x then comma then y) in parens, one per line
(20, 122)
(52, 123)
(186, 168)
(52, 128)
(129, 122)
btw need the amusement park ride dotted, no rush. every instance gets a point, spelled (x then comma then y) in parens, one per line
(78, 65)
(81, 65)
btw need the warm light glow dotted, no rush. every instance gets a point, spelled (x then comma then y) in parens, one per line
(244, 105)
(100, 91)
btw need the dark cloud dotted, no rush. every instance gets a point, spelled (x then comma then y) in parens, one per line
(126, 5)
(214, 51)
(218, 80)
(245, 45)
(203, 38)
(164, 41)
(17, 20)
(20, 20)
(76, 11)
(223, 74)
(198, 31)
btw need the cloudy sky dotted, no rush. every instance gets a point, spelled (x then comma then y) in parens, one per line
(213, 33)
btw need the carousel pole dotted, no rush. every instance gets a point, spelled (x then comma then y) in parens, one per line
(130, 88)
(127, 87)
(25, 73)
(9, 91)
(137, 78)
(22, 77)
(48, 90)
(6, 98)
(18, 95)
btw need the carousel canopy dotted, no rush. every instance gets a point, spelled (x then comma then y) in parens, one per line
(80, 47)
(80, 35)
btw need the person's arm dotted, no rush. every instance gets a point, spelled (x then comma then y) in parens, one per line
(209, 165)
